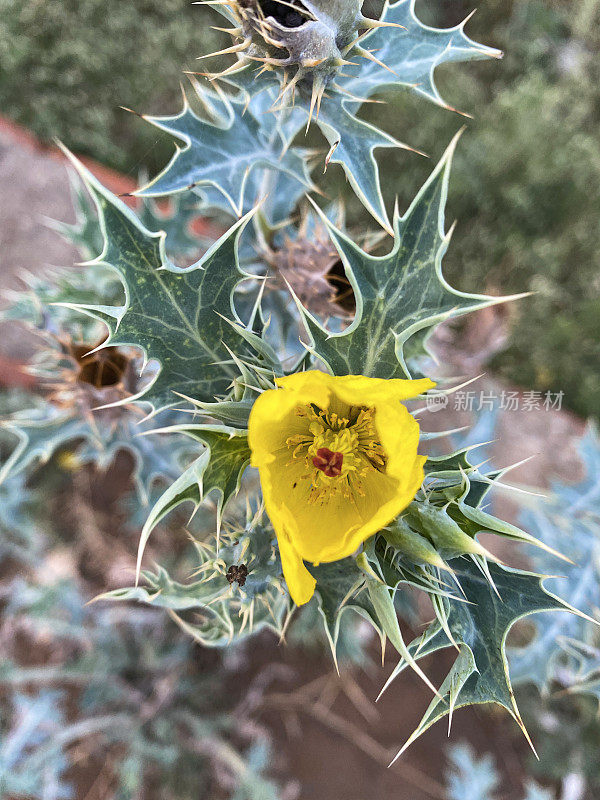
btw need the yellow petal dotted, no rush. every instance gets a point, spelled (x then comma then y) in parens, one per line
(273, 420)
(336, 524)
(356, 389)
(300, 583)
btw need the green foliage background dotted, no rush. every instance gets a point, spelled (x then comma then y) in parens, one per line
(524, 186)
(68, 66)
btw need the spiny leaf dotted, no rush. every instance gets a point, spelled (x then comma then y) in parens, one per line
(470, 777)
(39, 433)
(533, 791)
(38, 304)
(353, 142)
(480, 627)
(42, 432)
(401, 53)
(85, 232)
(219, 468)
(86, 235)
(33, 751)
(400, 296)
(342, 585)
(411, 54)
(585, 679)
(230, 154)
(177, 317)
(230, 611)
(20, 534)
(337, 590)
(459, 488)
(162, 591)
(383, 603)
(181, 241)
(569, 520)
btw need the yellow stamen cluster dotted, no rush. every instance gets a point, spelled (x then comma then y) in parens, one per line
(353, 435)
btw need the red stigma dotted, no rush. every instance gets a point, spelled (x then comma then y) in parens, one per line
(328, 462)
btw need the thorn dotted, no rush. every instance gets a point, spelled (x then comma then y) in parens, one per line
(354, 42)
(235, 48)
(468, 17)
(287, 87)
(272, 62)
(378, 23)
(458, 111)
(329, 155)
(358, 99)
(314, 62)
(363, 53)
(313, 101)
(341, 62)
(215, 76)
(232, 31)
(131, 111)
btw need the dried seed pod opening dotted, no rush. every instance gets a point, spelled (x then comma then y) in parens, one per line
(290, 14)
(87, 380)
(106, 367)
(312, 36)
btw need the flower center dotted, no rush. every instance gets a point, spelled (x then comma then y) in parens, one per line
(338, 450)
(328, 462)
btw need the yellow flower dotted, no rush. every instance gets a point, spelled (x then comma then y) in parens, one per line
(337, 458)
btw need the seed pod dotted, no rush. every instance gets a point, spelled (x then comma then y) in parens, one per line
(308, 263)
(310, 34)
(445, 534)
(410, 543)
(87, 377)
(306, 40)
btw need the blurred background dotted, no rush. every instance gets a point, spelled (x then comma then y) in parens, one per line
(99, 703)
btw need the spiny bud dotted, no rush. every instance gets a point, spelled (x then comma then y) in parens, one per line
(307, 39)
(309, 263)
(311, 35)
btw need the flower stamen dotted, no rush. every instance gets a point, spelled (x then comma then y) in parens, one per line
(340, 446)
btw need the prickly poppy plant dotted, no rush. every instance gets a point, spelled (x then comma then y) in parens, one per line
(246, 385)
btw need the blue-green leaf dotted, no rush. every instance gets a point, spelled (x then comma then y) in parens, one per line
(353, 142)
(412, 52)
(470, 777)
(569, 520)
(400, 296)
(218, 469)
(228, 154)
(40, 433)
(181, 318)
(480, 627)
